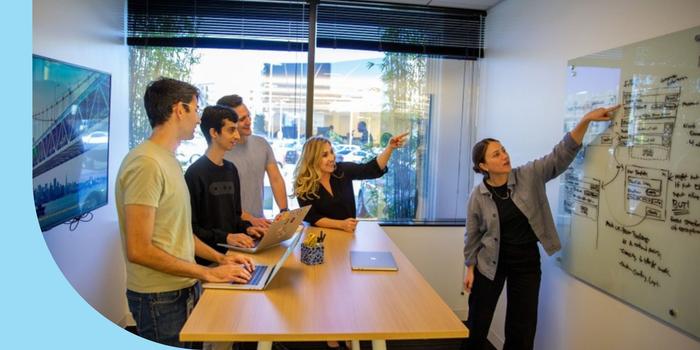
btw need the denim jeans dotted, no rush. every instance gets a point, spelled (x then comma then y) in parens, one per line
(160, 316)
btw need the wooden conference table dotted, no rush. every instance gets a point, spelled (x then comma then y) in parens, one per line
(327, 301)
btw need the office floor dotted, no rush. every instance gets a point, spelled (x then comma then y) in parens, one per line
(443, 344)
(435, 344)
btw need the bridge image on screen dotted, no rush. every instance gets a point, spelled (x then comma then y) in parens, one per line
(70, 137)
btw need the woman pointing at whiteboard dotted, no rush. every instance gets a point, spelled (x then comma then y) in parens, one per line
(508, 213)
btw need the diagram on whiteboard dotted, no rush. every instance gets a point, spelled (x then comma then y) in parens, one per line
(629, 204)
(648, 121)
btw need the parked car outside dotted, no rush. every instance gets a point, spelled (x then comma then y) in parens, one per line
(281, 147)
(344, 147)
(340, 154)
(358, 156)
(291, 157)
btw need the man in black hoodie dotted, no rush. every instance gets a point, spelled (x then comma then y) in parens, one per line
(214, 186)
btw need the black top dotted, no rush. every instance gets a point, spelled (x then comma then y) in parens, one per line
(515, 229)
(341, 205)
(215, 196)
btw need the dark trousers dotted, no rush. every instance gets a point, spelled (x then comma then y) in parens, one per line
(519, 265)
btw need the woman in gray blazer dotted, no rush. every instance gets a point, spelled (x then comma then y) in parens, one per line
(508, 213)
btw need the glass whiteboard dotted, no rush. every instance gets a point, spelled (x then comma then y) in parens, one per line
(629, 205)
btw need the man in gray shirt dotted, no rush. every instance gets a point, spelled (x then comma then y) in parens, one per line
(253, 157)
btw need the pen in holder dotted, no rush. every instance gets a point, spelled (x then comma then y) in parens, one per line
(312, 249)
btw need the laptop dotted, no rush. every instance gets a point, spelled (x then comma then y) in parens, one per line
(279, 231)
(263, 274)
(372, 261)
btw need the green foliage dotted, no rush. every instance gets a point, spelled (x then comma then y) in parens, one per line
(404, 76)
(394, 196)
(404, 110)
(145, 65)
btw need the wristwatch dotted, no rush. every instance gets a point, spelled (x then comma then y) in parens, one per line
(283, 210)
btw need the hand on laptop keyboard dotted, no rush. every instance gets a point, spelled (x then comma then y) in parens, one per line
(257, 274)
(228, 273)
(256, 232)
(240, 240)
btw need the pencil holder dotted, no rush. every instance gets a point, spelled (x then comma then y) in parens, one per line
(312, 255)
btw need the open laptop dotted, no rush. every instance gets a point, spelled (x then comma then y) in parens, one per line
(372, 261)
(279, 231)
(263, 274)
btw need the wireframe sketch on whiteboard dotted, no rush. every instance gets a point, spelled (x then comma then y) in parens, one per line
(629, 204)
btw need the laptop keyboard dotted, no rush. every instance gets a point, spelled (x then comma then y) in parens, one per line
(257, 274)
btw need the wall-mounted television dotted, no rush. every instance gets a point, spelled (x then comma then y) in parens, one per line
(70, 140)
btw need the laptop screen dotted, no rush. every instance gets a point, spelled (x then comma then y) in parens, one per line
(284, 257)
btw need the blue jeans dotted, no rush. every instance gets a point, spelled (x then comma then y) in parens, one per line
(160, 316)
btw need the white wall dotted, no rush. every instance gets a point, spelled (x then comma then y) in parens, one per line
(436, 252)
(523, 85)
(91, 34)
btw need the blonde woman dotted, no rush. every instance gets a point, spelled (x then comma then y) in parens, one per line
(327, 185)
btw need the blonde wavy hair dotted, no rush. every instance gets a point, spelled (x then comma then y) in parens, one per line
(307, 175)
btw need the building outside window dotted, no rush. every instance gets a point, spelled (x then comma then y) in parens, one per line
(361, 99)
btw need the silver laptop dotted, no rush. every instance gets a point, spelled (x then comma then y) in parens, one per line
(279, 231)
(374, 261)
(262, 275)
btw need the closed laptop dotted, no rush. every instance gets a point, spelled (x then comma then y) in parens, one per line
(373, 261)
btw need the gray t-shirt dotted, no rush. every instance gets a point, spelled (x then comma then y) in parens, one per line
(251, 159)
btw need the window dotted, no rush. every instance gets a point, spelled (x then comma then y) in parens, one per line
(380, 69)
(363, 98)
(270, 83)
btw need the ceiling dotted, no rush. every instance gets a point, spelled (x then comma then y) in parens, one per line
(465, 4)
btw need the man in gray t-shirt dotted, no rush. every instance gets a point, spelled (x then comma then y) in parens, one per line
(253, 157)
